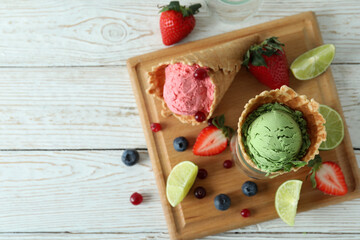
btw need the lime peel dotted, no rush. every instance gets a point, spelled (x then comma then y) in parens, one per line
(313, 62)
(286, 200)
(179, 182)
(334, 127)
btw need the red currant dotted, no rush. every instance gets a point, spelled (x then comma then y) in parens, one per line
(200, 116)
(245, 213)
(155, 127)
(200, 192)
(200, 73)
(227, 164)
(210, 122)
(202, 173)
(136, 198)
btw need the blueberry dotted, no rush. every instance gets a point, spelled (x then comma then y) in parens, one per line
(249, 188)
(180, 144)
(222, 202)
(130, 157)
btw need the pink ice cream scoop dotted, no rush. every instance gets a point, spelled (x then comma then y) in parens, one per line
(183, 93)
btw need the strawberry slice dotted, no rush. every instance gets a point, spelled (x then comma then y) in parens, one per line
(213, 139)
(327, 177)
(330, 179)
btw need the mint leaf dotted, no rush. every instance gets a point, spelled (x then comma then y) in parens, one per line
(299, 163)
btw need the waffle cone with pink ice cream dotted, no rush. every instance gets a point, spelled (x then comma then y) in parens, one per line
(183, 94)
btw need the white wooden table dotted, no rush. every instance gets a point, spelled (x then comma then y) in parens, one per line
(67, 112)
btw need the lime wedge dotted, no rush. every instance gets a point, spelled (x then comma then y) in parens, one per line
(179, 182)
(286, 200)
(313, 62)
(334, 127)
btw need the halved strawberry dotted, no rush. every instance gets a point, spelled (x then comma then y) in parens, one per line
(328, 177)
(213, 139)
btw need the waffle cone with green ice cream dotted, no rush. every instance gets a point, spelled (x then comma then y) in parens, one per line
(275, 137)
(280, 131)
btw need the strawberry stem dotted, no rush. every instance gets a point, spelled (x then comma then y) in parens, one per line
(268, 47)
(315, 166)
(219, 122)
(186, 11)
(194, 8)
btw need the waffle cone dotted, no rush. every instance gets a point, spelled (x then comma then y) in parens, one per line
(288, 97)
(223, 61)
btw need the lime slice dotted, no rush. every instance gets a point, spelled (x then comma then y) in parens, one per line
(179, 182)
(286, 200)
(313, 62)
(334, 127)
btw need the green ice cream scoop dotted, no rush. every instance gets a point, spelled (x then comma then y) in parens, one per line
(275, 137)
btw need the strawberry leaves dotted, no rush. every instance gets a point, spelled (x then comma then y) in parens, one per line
(257, 59)
(268, 48)
(193, 9)
(219, 122)
(315, 165)
(271, 46)
(186, 11)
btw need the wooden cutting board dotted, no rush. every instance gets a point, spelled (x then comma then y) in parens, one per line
(195, 218)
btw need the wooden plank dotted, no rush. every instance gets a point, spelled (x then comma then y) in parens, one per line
(78, 191)
(88, 192)
(164, 236)
(94, 107)
(78, 33)
(56, 108)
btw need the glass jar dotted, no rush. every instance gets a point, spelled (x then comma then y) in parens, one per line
(241, 163)
(233, 11)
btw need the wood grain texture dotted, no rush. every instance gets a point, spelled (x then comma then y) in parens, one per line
(164, 236)
(92, 33)
(86, 108)
(76, 191)
(68, 108)
(88, 192)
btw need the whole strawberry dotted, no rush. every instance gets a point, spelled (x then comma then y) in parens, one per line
(176, 22)
(267, 62)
